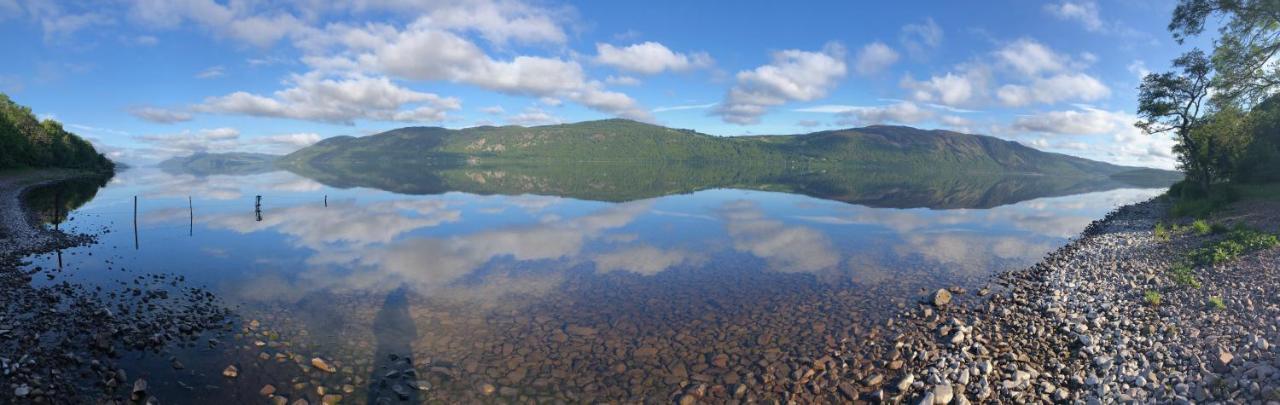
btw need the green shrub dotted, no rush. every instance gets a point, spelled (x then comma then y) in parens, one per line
(1201, 227)
(1184, 275)
(1218, 228)
(1152, 297)
(1216, 303)
(1161, 233)
(1238, 242)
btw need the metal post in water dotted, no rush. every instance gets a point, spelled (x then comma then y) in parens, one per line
(257, 208)
(326, 200)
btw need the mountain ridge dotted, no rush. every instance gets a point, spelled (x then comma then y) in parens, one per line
(621, 140)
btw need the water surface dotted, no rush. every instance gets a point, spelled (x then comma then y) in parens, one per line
(541, 285)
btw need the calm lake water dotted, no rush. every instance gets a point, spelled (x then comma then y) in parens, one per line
(535, 296)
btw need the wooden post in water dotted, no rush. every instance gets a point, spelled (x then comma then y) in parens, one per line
(135, 222)
(56, 211)
(326, 200)
(192, 215)
(257, 208)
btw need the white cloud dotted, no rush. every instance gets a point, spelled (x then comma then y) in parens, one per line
(211, 72)
(1128, 144)
(423, 52)
(1084, 12)
(622, 80)
(874, 57)
(1057, 88)
(966, 86)
(684, 107)
(793, 75)
(1138, 68)
(217, 140)
(160, 115)
(1031, 58)
(532, 117)
(493, 110)
(649, 58)
(920, 39)
(343, 100)
(904, 112)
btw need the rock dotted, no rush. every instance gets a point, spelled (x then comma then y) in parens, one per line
(929, 399)
(22, 391)
(402, 391)
(420, 385)
(331, 399)
(940, 298)
(231, 371)
(720, 360)
(139, 390)
(267, 390)
(301, 401)
(942, 394)
(847, 391)
(322, 365)
(647, 351)
(1222, 362)
(873, 380)
(905, 383)
(487, 389)
(279, 400)
(688, 399)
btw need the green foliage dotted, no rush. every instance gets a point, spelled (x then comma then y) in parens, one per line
(1171, 102)
(1184, 275)
(27, 142)
(1152, 297)
(1201, 227)
(1216, 303)
(1190, 199)
(1238, 242)
(1161, 233)
(624, 141)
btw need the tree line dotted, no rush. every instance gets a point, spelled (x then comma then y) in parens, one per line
(27, 142)
(1222, 106)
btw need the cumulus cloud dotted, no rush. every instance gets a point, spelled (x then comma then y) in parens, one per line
(649, 58)
(217, 140)
(1083, 12)
(904, 112)
(622, 80)
(422, 51)
(920, 39)
(532, 117)
(963, 87)
(1028, 57)
(874, 58)
(793, 75)
(1129, 145)
(160, 115)
(341, 100)
(788, 249)
(1053, 89)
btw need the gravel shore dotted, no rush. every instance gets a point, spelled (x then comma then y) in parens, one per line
(61, 342)
(1078, 327)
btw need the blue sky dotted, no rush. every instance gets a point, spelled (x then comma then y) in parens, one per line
(149, 79)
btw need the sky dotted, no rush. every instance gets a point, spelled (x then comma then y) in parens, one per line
(150, 79)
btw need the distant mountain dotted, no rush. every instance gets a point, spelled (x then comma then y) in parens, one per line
(625, 141)
(621, 160)
(208, 164)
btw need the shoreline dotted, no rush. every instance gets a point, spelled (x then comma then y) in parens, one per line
(1078, 327)
(18, 235)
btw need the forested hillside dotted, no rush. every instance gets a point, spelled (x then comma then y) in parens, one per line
(27, 142)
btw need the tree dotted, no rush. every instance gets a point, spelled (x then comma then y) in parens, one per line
(1245, 56)
(1173, 102)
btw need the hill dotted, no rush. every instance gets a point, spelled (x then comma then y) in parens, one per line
(27, 142)
(625, 141)
(208, 164)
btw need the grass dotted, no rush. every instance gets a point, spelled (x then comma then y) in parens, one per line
(1201, 227)
(1216, 303)
(1239, 241)
(1152, 297)
(1184, 275)
(1161, 233)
